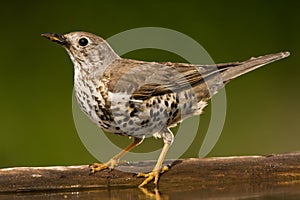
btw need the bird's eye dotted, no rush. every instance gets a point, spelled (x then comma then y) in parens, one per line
(83, 42)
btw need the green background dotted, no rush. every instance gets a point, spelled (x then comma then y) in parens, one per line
(263, 110)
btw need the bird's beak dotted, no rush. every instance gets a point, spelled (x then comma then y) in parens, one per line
(58, 38)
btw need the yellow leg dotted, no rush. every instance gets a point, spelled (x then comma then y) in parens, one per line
(157, 168)
(114, 160)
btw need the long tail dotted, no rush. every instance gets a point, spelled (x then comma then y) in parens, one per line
(232, 70)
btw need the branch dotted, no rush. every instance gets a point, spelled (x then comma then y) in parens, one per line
(273, 170)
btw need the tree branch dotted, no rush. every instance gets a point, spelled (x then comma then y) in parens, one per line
(273, 170)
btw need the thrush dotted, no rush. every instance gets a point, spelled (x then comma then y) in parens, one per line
(141, 99)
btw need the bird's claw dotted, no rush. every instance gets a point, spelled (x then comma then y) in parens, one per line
(149, 177)
(152, 175)
(96, 167)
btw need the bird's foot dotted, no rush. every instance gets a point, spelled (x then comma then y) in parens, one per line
(96, 167)
(152, 175)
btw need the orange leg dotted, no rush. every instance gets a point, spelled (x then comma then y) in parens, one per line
(168, 138)
(115, 160)
(157, 168)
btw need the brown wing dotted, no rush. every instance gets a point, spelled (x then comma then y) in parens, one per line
(144, 80)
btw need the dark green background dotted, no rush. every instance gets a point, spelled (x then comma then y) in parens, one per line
(37, 127)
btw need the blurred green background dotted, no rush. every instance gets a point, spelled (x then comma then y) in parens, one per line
(37, 128)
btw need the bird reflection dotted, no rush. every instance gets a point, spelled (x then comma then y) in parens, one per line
(153, 194)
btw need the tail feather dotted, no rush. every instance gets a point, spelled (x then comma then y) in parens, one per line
(241, 68)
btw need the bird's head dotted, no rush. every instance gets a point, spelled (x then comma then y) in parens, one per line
(86, 50)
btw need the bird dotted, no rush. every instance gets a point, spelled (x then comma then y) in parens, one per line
(142, 99)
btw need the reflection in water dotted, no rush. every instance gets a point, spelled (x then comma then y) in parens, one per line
(170, 193)
(155, 194)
